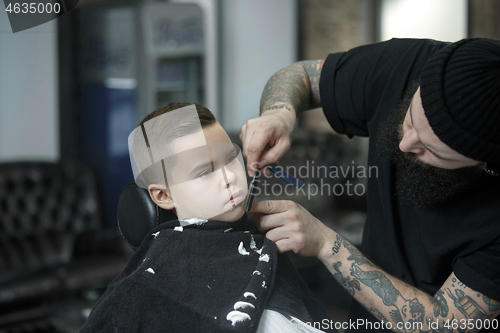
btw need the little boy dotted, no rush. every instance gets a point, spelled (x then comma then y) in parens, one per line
(209, 270)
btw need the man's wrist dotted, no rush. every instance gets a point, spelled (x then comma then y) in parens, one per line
(283, 111)
(285, 108)
(331, 246)
(277, 107)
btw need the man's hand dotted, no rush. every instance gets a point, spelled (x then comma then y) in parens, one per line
(292, 227)
(272, 128)
(288, 93)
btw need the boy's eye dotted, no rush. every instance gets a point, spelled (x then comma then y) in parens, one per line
(205, 173)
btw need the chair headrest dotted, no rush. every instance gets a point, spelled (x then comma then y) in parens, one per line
(138, 214)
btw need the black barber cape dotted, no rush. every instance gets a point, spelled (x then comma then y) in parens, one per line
(210, 277)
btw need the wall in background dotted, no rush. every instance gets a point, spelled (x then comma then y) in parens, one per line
(443, 20)
(258, 38)
(28, 92)
(329, 26)
(484, 18)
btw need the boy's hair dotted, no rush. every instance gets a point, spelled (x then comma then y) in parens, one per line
(167, 129)
(206, 117)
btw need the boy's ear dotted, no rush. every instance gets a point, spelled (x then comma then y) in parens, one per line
(161, 196)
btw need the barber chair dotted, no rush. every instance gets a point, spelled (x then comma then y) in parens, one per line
(53, 245)
(138, 214)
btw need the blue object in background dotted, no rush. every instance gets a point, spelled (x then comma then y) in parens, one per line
(108, 116)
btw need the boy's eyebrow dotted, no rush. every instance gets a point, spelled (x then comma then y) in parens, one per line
(208, 164)
(200, 166)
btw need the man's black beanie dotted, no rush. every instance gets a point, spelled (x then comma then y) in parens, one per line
(460, 90)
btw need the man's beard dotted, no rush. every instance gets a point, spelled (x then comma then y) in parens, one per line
(421, 183)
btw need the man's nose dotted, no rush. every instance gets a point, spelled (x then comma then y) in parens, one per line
(411, 143)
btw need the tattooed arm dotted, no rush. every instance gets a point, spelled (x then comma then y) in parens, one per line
(294, 88)
(454, 308)
(287, 94)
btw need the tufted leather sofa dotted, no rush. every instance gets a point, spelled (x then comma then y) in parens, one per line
(52, 243)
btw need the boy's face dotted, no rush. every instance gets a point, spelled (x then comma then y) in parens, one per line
(207, 180)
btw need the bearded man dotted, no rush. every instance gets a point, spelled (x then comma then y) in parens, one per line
(430, 258)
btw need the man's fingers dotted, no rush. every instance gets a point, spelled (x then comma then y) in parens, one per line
(270, 129)
(242, 135)
(282, 238)
(253, 148)
(258, 133)
(267, 222)
(277, 151)
(279, 233)
(284, 245)
(270, 206)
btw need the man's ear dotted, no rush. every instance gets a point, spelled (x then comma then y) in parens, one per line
(161, 196)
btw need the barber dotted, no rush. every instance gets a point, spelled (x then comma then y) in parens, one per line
(430, 257)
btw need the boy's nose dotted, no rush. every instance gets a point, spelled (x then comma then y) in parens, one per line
(230, 176)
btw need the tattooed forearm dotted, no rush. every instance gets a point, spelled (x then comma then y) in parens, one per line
(406, 308)
(288, 86)
(296, 85)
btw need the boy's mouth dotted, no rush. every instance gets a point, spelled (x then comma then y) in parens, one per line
(236, 198)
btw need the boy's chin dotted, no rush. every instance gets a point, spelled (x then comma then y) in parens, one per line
(231, 215)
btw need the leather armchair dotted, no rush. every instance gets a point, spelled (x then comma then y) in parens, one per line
(52, 241)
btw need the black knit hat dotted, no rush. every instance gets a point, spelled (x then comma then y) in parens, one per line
(460, 91)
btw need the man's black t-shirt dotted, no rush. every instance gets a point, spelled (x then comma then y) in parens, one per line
(419, 245)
